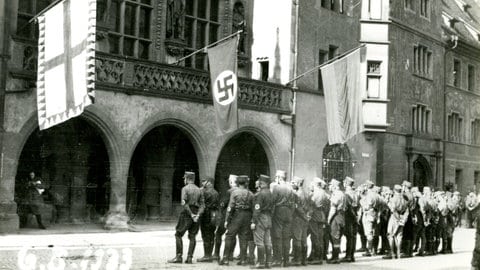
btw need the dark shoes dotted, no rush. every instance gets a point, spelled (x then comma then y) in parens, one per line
(177, 259)
(189, 260)
(205, 259)
(223, 261)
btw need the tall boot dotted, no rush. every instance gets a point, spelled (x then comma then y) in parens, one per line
(216, 252)
(251, 252)
(226, 251)
(243, 253)
(179, 250)
(391, 253)
(408, 249)
(191, 249)
(444, 245)
(39, 222)
(277, 253)
(368, 252)
(286, 254)
(436, 245)
(268, 256)
(260, 258)
(297, 255)
(375, 245)
(207, 250)
(449, 245)
(363, 241)
(303, 254)
(334, 259)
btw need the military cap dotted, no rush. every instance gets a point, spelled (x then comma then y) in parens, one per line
(456, 193)
(349, 181)
(385, 188)
(281, 173)
(298, 179)
(242, 180)
(189, 175)
(397, 188)
(407, 184)
(427, 189)
(232, 177)
(369, 184)
(264, 178)
(335, 182)
(319, 181)
(377, 189)
(415, 189)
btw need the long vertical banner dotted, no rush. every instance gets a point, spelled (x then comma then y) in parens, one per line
(223, 79)
(66, 61)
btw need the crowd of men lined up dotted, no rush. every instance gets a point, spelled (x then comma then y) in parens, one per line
(394, 223)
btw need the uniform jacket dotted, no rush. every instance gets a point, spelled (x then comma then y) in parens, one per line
(321, 205)
(263, 208)
(192, 199)
(240, 199)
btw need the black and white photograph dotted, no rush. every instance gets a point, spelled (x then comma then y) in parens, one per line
(239, 134)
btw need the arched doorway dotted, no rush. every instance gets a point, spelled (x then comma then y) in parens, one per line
(242, 155)
(156, 173)
(73, 163)
(422, 173)
(337, 162)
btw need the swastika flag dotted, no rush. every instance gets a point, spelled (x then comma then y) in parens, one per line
(223, 80)
(66, 61)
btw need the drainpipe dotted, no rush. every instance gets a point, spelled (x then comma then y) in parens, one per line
(454, 39)
(294, 91)
(4, 58)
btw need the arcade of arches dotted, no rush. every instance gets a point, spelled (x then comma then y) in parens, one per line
(73, 162)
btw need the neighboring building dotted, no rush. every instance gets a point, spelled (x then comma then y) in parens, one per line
(125, 156)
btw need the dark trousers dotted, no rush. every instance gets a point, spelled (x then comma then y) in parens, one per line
(476, 251)
(238, 225)
(281, 233)
(207, 229)
(317, 230)
(185, 223)
(337, 229)
(351, 229)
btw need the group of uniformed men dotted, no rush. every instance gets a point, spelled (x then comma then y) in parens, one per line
(280, 213)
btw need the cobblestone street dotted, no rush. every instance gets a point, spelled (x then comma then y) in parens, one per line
(151, 250)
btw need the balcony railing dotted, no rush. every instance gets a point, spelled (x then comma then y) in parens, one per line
(134, 76)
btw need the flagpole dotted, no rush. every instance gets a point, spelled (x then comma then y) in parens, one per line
(324, 64)
(44, 10)
(206, 47)
(294, 93)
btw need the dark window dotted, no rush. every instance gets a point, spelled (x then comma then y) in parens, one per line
(337, 162)
(458, 177)
(322, 58)
(455, 127)
(409, 4)
(422, 61)
(425, 8)
(27, 9)
(471, 78)
(332, 51)
(475, 131)
(264, 66)
(129, 22)
(421, 119)
(457, 73)
(201, 29)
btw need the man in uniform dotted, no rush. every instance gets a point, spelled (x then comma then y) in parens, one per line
(351, 225)
(386, 195)
(223, 204)
(419, 217)
(370, 215)
(301, 217)
(452, 205)
(408, 236)
(430, 210)
(284, 200)
(399, 213)
(361, 191)
(320, 204)
(237, 220)
(262, 222)
(193, 206)
(472, 205)
(336, 218)
(209, 218)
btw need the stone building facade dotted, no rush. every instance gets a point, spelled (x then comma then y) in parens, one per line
(124, 157)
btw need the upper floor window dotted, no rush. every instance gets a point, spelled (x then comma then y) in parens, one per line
(27, 9)
(264, 69)
(322, 58)
(471, 78)
(457, 73)
(238, 23)
(425, 8)
(201, 28)
(422, 61)
(373, 79)
(375, 9)
(129, 24)
(455, 127)
(475, 131)
(421, 119)
(409, 4)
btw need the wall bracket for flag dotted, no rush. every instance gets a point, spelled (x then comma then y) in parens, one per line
(206, 47)
(323, 64)
(43, 11)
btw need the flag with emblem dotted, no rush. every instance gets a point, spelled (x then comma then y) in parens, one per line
(223, 80)
(66, 61)
(343, 88)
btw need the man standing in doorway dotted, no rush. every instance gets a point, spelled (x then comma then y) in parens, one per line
(34, 198)
(193, 206)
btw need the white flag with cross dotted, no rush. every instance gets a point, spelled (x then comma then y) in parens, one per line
(66, 61)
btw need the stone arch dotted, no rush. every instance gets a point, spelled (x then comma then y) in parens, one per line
(191, 131)
(16, 142)
(422, 172)
(265, 140)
